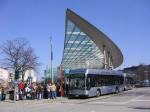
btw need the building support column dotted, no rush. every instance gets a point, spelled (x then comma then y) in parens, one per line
(111, 63)
(105, 57)
(109, 60)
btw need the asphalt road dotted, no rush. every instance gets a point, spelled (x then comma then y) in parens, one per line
(135, 100)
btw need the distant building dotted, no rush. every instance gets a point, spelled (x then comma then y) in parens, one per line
(8, 77)
(142, 72)
(32, 74)
(11, 77)
(4, 76)
(47, 74)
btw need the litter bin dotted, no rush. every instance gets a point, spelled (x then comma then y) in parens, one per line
(11, 95)
(3, 96)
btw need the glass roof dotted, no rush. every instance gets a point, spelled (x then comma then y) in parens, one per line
(79, 50)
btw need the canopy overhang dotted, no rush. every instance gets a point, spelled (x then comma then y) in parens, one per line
(97, 37)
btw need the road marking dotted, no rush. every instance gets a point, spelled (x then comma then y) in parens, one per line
(137, 97)
(115, 103)
(143, 100)
(92, 111)
(121, 103)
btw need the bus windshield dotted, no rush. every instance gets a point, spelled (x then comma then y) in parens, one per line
(76, 81)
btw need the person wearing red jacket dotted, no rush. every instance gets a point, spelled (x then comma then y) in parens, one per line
(21, 87)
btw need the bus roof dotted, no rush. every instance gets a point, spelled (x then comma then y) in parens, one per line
(95, 71)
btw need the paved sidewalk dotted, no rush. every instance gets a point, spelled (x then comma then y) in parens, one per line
(58, 99)
(136, 100)
(22, 105)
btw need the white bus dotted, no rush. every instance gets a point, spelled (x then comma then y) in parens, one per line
(94, 82)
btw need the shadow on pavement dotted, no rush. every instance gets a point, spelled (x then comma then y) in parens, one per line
(142, 108)
(9, 101)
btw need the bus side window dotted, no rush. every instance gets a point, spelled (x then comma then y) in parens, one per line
(88, 83)
(88, 79)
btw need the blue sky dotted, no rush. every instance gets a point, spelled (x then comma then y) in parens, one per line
(126, 22)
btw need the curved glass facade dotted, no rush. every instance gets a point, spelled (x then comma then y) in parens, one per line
(85, 46)
(79, 50)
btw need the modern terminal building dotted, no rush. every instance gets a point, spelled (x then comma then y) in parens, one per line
(85, 46)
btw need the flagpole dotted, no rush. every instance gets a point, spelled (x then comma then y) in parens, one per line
(51, 73)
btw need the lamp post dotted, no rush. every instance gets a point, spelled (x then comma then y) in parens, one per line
(51, 73)
(16, 76)
(30, 78)
(146, 75)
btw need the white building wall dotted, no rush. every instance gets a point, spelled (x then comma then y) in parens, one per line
(31, 73)
(4, 75)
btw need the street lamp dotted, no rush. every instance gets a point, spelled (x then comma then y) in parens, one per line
(16, 77)
(146, 74)
(51, 60)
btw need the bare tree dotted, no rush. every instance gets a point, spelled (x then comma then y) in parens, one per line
(19, 56)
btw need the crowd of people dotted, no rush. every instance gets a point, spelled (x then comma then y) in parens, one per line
(31, 91)
(35, 91)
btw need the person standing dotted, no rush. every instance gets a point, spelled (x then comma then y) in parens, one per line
(1, 92)
(39, 92)
(49, 90)
(21, 86)
(27, 91)
(53, 91)
(42, 91)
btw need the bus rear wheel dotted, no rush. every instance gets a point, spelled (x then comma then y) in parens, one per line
(117, 90)
(98, 93)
